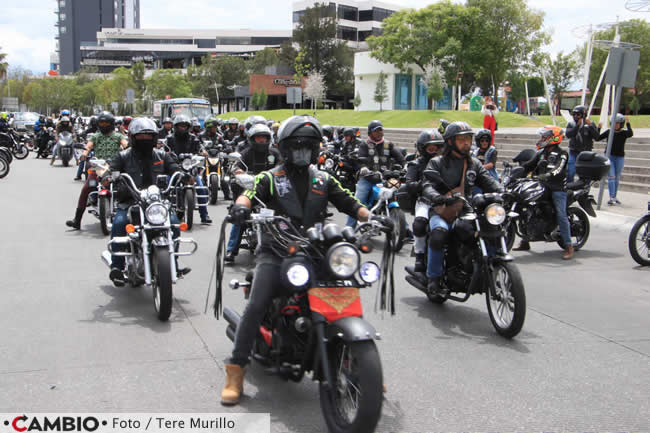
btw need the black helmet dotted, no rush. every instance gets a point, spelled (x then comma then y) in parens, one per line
(181, 119)
(339, 131)
(259, 130)
(348, 132)
(452, 131)
(328, 132)
(299, 132)
(428, 137)
(142, 125)
(579, 109)
(374, 125)
(483, 133)
(93, 122)
(41, 118)
(443, 125)
(108, 120)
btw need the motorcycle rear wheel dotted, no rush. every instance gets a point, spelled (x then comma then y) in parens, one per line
(638, 241)
(506, 299)
(353, 403)
(21, 151)
(105, 217)
(579, 223)
(398, 217)
(190, 202)
(162, 282)
(4, 166)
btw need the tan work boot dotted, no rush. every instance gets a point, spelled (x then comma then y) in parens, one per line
(568, 253)
(234, 385)
(52, 160)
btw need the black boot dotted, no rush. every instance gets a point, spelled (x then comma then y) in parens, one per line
(523, 246)
(76, 222)
(420, 263)
(419, 270)
(435, 289)
(230, 256)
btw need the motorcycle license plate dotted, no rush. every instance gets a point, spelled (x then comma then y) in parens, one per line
(335, 302)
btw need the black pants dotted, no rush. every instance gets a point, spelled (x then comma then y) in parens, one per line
(266, 286)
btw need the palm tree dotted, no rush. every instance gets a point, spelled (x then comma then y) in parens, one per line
(3, 64)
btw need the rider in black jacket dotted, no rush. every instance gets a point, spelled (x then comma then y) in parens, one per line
(299, 192)
(212, 139)
(459, 173)
(581, 134)
(550, 166)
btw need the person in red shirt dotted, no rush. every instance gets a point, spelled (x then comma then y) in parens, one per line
(489, 111)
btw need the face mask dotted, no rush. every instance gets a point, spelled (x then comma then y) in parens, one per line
(143, 148)
(260, 147)
(301, 157)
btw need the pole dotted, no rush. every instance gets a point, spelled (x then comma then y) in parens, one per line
(600, 81)
(527, 99)
(459, 92)
(610, 138)
(548, 97)
(585, 78)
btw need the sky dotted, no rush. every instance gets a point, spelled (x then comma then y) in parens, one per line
(27, 26)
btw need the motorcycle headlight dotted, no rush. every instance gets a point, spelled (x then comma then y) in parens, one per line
(213, 161)
(329, 164)
(187, 164)
(495, 214)
(298, 274)
(386, 194)
(343, 260)
(369, 272)
(156, 214)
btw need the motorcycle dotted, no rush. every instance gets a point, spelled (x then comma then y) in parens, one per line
(100, 200)
(639, 240)
(317, 325)
(184, 195)
(152, 252)
(531, 204)
(5, 162)
(45, 142)
(11, 140)
(476, 261)
(215, 170)
(238, 184)
(65, 147)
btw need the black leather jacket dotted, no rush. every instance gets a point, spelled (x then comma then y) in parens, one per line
(451, 169)
(214, 141)
(384, 155)
(257, 162)
(550, 166)
(190, 144)
(582, 138)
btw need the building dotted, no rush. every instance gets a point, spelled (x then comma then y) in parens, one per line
(356, 20)
(173, 48)
(78, 22)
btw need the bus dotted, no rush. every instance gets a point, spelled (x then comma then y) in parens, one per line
(191, 107)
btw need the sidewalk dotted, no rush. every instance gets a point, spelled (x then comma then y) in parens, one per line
(621, 217)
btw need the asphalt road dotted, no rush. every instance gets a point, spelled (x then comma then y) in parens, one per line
(71, 342)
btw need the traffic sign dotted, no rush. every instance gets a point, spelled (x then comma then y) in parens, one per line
(130, 96)
(294, 95)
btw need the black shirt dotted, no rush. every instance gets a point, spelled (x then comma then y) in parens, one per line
(618, 147)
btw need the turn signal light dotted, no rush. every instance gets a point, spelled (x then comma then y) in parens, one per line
(130, 228)
(292, 249)
(183, 227)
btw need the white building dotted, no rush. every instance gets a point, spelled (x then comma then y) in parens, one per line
(356, 20)
(405, 91)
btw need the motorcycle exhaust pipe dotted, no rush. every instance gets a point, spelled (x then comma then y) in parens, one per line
(231, 317)
(230, 333)
(106, 258)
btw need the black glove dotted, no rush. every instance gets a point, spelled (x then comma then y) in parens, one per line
(451, 200)
(385, 221)
(239, 214)
(413, 188)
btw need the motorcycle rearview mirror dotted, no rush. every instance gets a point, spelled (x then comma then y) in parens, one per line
(234, 156)
(115, 175)
(161, 181)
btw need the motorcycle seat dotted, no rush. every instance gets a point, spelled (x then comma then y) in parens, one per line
(574, 186)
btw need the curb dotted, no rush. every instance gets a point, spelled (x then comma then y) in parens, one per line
(614, 221)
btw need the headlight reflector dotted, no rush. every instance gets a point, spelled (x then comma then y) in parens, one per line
(187, 164)
(343, 260)
(369, 272)
(156, 214)
(495, 214)
(298, 274)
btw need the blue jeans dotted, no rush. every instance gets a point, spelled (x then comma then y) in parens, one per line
(436, 257)
(363, 193)
(235, 238)
(615, 171)
(202, 190)
(571, 168)
(120, 220)
(559, 201)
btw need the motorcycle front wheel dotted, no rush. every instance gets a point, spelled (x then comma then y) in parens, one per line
(511, 234)
(190, 202)
(4, 166)
(399, 234)
(162, 282)
(105, 217)
(639, 241)
(214, 189)
(580, 227)
(353, 402)
(21, 151)
(506, 299)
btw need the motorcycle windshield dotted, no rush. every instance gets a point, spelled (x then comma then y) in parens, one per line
(65, 139)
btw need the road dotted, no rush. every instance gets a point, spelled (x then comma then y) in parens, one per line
(72, 342)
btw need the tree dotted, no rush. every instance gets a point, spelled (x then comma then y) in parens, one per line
(137, 76)
(4, 66)
(435, 81)
(262, 59)
(381, 90)
(315, 89)
(357, 100)
(166, 82)
(560, 75)
(255, 100)
(287, 55)
(232, 71)
(263, 98)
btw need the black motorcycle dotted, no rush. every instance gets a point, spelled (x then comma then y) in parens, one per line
(216, 170)
(184, 194)
(639, 241)
(476, 261)
(531, 214)
(317, 324)
(5, 161)
(12, 140)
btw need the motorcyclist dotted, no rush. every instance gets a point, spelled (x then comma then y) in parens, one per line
(328, 133)
(64, 125)
(231, 133)
(486, 152)
(124, 126)
(258, 157)
(460, 173)
(240, 142)
(88, 132)
(428, 145)
(143, 163)
(374, 155)
(581, 134)
(299, 192)
(40, 129)
(274, 128)
(4, 124)
(550, 166)
(166, 129)
(211, 138)
(349, 143)
(184, 142)
(106, 144)
(196, 127)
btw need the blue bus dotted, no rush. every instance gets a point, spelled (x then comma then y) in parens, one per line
(191, 107)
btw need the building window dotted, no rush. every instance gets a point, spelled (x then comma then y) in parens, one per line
(379, 14)
(364, 35)
(61, 4)
(365, 15)
(62, 30)
(348, 13)
(402, 99)
(62, 17)
(347, 33)
(297, 15)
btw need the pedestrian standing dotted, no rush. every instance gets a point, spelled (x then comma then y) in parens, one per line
(617, 156)
(489, 111)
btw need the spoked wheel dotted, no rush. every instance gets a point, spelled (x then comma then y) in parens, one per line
(21, 151)
(353, 402)
(399, 232)
(105, 216)
(580, 227)
(506, 299)
(190, 202)
(162, 282)
(4, 166)
(639, 241)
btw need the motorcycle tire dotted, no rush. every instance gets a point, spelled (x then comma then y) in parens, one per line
(510, 235)
(507, 316)
(367, 385)
(399, 235)
(65, 161)
(162, 282)
(105, 215)
(190, 203)
(7, 154)
(214, 189)
(641, 226)
(4, 166)
(21, 151)
(579, 223)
